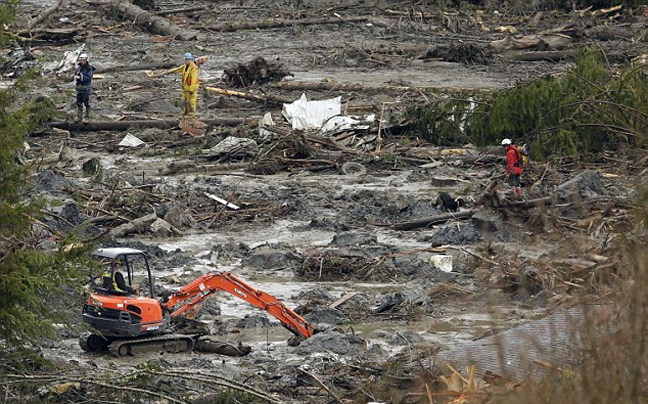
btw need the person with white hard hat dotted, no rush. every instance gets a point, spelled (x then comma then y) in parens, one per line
(83, 81)
(513, 165)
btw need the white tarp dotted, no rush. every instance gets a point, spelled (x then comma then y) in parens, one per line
(266, 121)
(131, 141)
(68, 62)
(340, 123)
(304, 114)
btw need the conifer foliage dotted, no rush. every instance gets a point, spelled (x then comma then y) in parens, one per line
(30, 280)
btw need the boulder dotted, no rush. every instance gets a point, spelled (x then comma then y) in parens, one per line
(338, 343)
(585, 185)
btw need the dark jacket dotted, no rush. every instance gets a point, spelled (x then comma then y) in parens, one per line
(84, 78)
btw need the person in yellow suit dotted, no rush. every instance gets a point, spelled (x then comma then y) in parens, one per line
(190, 84)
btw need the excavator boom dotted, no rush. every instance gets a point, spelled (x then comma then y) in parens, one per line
(195, 292)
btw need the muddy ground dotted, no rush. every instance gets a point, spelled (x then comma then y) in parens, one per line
(305, 232)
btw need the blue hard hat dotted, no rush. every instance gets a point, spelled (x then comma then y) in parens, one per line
(188, 56)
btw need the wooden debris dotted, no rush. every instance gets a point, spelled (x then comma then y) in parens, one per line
(148, 21)
(264, 99)
(125, 125)
(46, 13)
(279, 23)
(222, 201)
(416, 224)
(342, 300)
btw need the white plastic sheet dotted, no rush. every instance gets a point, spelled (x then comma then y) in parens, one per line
(131, 141)
(304, 114)
(67, 63)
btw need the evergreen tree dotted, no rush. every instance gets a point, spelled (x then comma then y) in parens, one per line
(31, 281)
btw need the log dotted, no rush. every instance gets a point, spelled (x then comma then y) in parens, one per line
(125, 125)
(148, 21)
(532, 203)
(331, 86)
(416, 224)
(139, 67)
(46, 13)
(180, 10)
(280, 23)
(549, 56)
(267, 99)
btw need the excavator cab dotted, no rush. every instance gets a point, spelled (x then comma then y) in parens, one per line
(122, 263)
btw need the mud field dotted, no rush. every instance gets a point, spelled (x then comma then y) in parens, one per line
(307, 230)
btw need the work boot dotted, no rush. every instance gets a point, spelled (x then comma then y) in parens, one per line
(87, 115)
(79, 114)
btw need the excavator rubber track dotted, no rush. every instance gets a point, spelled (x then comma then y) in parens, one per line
(172, 343)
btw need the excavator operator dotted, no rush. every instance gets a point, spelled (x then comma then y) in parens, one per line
(117, 284)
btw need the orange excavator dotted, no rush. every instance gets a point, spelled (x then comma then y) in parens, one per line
(125, 324)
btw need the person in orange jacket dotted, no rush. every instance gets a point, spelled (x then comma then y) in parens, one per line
(190, 82)
(513, 165)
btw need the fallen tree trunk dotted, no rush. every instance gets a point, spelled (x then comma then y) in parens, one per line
(280, 23)
(43, 16)
(532, 203)
(332, 86)
(139, 67)
(549, 56)
(149, 21)
(125, 125)
(417, 224)
(181, 10)
(249, 96)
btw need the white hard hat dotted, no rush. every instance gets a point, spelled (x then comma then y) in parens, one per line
(83, 56)
(506, 142)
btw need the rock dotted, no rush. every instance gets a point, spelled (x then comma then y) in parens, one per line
(486, 221)
(271, 257)
(354, 239)
(92, 168)
(316, 296)
(178, 217)
(587, 184)
(68, 211)
(48, 180)
(210, 307)
(404, 338)
(325, 314)
(341, 344)
(466, 233)
(162, 228)
(253, 320)
(228, 251)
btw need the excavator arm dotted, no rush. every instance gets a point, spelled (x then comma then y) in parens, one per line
(195, 292)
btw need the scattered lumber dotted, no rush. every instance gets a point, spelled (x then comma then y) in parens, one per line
(280, 23)
(416, 224)
(125, 125)
(148, 21)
